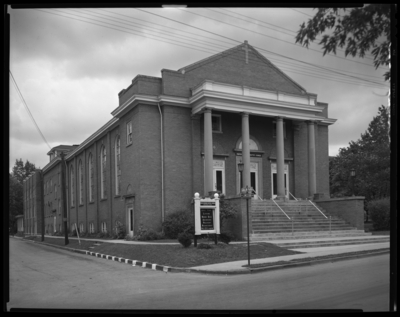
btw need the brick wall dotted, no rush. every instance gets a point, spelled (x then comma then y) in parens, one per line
(322, 159)
(350, 209)
(230, 69)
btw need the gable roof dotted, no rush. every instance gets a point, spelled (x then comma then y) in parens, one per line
(233, 50)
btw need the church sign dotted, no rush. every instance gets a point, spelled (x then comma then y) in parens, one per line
(206, 215)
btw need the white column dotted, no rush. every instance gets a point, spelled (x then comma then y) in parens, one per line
(208, 153)
(312, 178)
(246, 149)
(280, 159)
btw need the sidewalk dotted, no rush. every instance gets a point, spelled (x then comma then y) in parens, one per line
(311, 256)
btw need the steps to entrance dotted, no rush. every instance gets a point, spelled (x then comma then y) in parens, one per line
(328, 242)
(269, 223)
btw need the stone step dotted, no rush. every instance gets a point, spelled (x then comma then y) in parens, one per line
(316, 244)
(295, 220)
(305, 229)
(315, 233)
(297, 224)
(308, 235)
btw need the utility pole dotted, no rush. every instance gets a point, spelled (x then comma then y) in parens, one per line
(64, 198)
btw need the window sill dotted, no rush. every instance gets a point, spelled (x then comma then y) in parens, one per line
(218, 132)
(117, 196)
(129, 144)
(103, 199)
(91, 202)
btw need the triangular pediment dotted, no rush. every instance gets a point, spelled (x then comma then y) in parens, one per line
(243, 65)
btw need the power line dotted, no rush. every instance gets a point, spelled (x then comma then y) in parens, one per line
(262, 34)
(293, 32)
(202, 49)
(27, 108)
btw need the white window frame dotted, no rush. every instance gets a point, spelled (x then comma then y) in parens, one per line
(129, 133)
(91, 175)
(219, 120)
(217, 166)
(80, 176)
(72, 186)
(103, 162)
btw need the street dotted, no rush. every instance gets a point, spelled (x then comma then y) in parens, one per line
(46, 277)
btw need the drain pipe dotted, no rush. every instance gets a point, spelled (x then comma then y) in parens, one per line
(162, 163)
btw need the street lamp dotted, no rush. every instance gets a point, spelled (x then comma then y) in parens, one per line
(247, 193)
(352, 175)
(240, 168)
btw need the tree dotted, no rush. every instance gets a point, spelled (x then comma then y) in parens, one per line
(20, 172)
(369, 157)
(361, 30)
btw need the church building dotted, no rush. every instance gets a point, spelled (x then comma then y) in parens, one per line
(186, 132)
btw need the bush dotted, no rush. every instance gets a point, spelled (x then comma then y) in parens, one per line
(379, 212)
(120, 231)
(185, 239)
(178, 222)
(226, 211)
(204, 246)
(226, 237)
(145, 234)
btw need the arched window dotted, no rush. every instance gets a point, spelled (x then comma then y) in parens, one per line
(91, 180)
(103, 165)
(80, 176)
(91, 227)
(252, 143)
(55, 191)
(117, 165)
(81, 228)
(72, 186)
(103, 227)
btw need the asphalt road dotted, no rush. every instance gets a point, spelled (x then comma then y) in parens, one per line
(46, 277)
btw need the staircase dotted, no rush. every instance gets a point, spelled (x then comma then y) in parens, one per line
(269, 222)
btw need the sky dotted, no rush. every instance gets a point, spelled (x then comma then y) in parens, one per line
(70, 64)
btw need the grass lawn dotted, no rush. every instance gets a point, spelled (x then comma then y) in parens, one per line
(176, 255)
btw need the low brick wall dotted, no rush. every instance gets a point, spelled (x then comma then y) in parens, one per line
(238, 225)
(350, 209)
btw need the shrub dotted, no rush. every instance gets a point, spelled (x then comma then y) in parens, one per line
(120, 231)
(185, 239)
(178, 222)
(226, 237)
(204, 246)
(83, 234)
(226, 211)
(73, 234)
(379, 212)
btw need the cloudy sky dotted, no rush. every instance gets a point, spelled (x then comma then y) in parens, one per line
(70, 65)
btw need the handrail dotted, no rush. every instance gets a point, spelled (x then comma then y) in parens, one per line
(255, 194)
(292, 195)
(317, 209)
(281, 209)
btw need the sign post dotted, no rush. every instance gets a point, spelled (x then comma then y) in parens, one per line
(206, 216)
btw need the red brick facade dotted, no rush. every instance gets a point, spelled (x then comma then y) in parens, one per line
(163, 166)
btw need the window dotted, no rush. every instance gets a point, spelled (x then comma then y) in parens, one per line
(55, 191)
(284, 130)
(80, 175)
(103, 227)
(117, 165)
(103, 168)
(59, 228)
(59, 207)
(81, 228)
(252, 145)
(51, 185)
(91, 227)
(216, 123)
(91, 180)
(72, 187)
(129, 132)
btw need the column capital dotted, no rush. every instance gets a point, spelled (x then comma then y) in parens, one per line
(278, 118)
(207, 110)
(244, 114)
(309, 122)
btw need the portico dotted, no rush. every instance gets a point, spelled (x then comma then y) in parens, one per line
(210, 97)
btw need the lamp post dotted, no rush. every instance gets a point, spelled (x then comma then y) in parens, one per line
(246, 193)
(352, 175)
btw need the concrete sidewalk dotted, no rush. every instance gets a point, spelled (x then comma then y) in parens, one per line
(310, 256)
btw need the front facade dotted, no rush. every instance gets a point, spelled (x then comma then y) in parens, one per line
(187, 132)
(32, 201)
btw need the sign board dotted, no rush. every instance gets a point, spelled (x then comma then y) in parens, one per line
(206, 215)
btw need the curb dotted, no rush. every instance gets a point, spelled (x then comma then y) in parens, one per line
(244, 270)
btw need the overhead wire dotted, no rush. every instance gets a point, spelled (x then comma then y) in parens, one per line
(202, 49)
(275, 38)
(293, 32)
(27, 108)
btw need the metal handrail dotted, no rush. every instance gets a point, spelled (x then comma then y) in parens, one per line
(318, 209)
(292, 195)
(255, 194)
(281, 209)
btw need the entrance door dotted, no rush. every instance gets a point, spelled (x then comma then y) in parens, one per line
(274, 180)
(253, 179)
(130, 221)
(219, 175)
